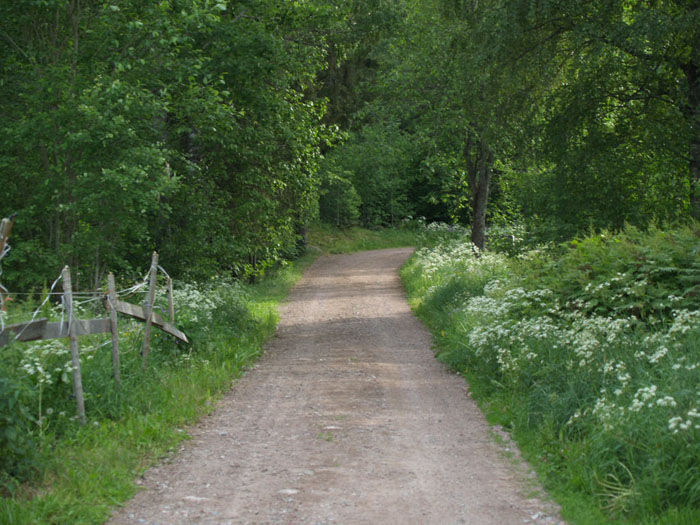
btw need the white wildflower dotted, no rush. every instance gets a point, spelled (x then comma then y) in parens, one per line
(666, 401)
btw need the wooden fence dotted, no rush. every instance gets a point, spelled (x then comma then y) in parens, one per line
(72, 328)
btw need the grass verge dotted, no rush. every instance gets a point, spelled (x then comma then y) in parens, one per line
(589, 357)
(329, 239)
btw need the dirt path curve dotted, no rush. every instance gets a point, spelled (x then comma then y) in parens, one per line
(347, 418)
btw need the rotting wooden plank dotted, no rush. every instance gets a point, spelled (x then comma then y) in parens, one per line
(137, 312)
(40, 329)
(82, 327)
(30, 331)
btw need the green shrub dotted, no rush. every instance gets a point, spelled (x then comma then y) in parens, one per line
(17, 447)
(647, 275)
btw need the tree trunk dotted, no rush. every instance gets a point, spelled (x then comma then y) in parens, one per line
(692, 116)
(479, 160)
(481, 196)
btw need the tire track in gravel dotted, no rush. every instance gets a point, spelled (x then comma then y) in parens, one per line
(347, 418)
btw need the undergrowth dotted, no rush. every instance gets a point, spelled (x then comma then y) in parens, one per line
(589, 354)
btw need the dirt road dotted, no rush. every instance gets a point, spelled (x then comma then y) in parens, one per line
(347, 418)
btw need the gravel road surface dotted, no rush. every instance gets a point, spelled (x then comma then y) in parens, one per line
(348, 419)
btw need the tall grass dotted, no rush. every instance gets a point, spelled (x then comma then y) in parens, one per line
(591, 358)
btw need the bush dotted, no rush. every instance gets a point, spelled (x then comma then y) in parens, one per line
(17, 448)
(647, 275)
(201, 308)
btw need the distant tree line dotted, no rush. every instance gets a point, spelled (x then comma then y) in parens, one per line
(565, 115)
(215, 131)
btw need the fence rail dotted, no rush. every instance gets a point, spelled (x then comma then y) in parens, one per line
(138, 312)
(40, 329)
(73, 328)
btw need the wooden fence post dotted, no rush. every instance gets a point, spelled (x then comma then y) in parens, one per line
(112, 300)
(74, 350)
(171, 306)
(5, 230)
(148, 308)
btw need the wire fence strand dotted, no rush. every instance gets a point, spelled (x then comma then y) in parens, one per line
(81, 298)
(36, 312)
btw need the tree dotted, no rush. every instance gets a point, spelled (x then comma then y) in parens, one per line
(193, 120)
(620, 126)
(456, 101)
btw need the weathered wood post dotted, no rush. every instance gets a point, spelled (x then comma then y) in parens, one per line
(171, 305)
(5, 230)
(148, 309)
(74, 349)
(112, 300)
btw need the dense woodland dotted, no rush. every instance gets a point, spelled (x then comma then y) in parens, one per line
(216, 131)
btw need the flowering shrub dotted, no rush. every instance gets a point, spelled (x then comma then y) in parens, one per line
(200, 307)
(598, 351)
(443, 267)
(38, 379)
(507, 238)
(436, 232)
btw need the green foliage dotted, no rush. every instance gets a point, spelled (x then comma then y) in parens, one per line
(375, 161)
(330, 239)
(339, 203)
(197, 128)
(185, 127)
(354, 30)
(586, 114)
(17, 448)
(647, 275)
(607, 142)
(589, 357)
